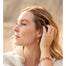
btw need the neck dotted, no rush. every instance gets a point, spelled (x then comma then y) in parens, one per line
(32, 54)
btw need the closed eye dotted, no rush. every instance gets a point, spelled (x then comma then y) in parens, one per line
(23, 24)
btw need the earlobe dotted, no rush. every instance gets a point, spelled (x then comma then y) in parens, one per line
(39, 34)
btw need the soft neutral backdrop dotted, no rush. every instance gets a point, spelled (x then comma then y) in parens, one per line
(12, 8)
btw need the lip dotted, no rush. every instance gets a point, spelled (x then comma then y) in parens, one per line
(16, 36)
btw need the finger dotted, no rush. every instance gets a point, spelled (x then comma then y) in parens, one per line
(44, 30)
(49, 29)
(52, 32)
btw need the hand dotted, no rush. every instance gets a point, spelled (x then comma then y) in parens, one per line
(47, 37)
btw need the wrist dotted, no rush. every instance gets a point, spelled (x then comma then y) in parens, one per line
(44, 48)
(45, 52)
(46, 58)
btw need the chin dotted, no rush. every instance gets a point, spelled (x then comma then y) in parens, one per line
(16, 42)
(19, 44)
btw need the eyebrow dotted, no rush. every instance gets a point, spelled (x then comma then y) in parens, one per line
(23, 20)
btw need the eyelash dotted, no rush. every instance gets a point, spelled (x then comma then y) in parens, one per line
(21, 23)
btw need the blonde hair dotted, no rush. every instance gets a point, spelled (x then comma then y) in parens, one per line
(44, 18)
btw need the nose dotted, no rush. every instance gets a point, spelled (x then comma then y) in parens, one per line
(16, 29)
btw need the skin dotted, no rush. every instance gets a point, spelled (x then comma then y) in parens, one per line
(27, 35)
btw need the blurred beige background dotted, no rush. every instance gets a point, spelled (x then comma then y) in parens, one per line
(12, 8)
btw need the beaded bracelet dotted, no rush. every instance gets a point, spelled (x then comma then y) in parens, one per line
(46, 58)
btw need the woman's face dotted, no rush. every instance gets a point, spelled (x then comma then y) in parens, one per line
(25, 31)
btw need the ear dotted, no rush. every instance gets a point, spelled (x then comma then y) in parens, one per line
(39, 33)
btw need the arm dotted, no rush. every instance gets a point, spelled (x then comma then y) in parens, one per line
(45, 43)
(46, 53)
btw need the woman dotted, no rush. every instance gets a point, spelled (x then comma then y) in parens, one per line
(36, 37)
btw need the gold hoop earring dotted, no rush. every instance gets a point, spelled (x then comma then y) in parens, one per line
(38, 40)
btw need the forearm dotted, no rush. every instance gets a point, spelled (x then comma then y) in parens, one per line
(45, 53)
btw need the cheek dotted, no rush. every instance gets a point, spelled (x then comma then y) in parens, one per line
(28, 35)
